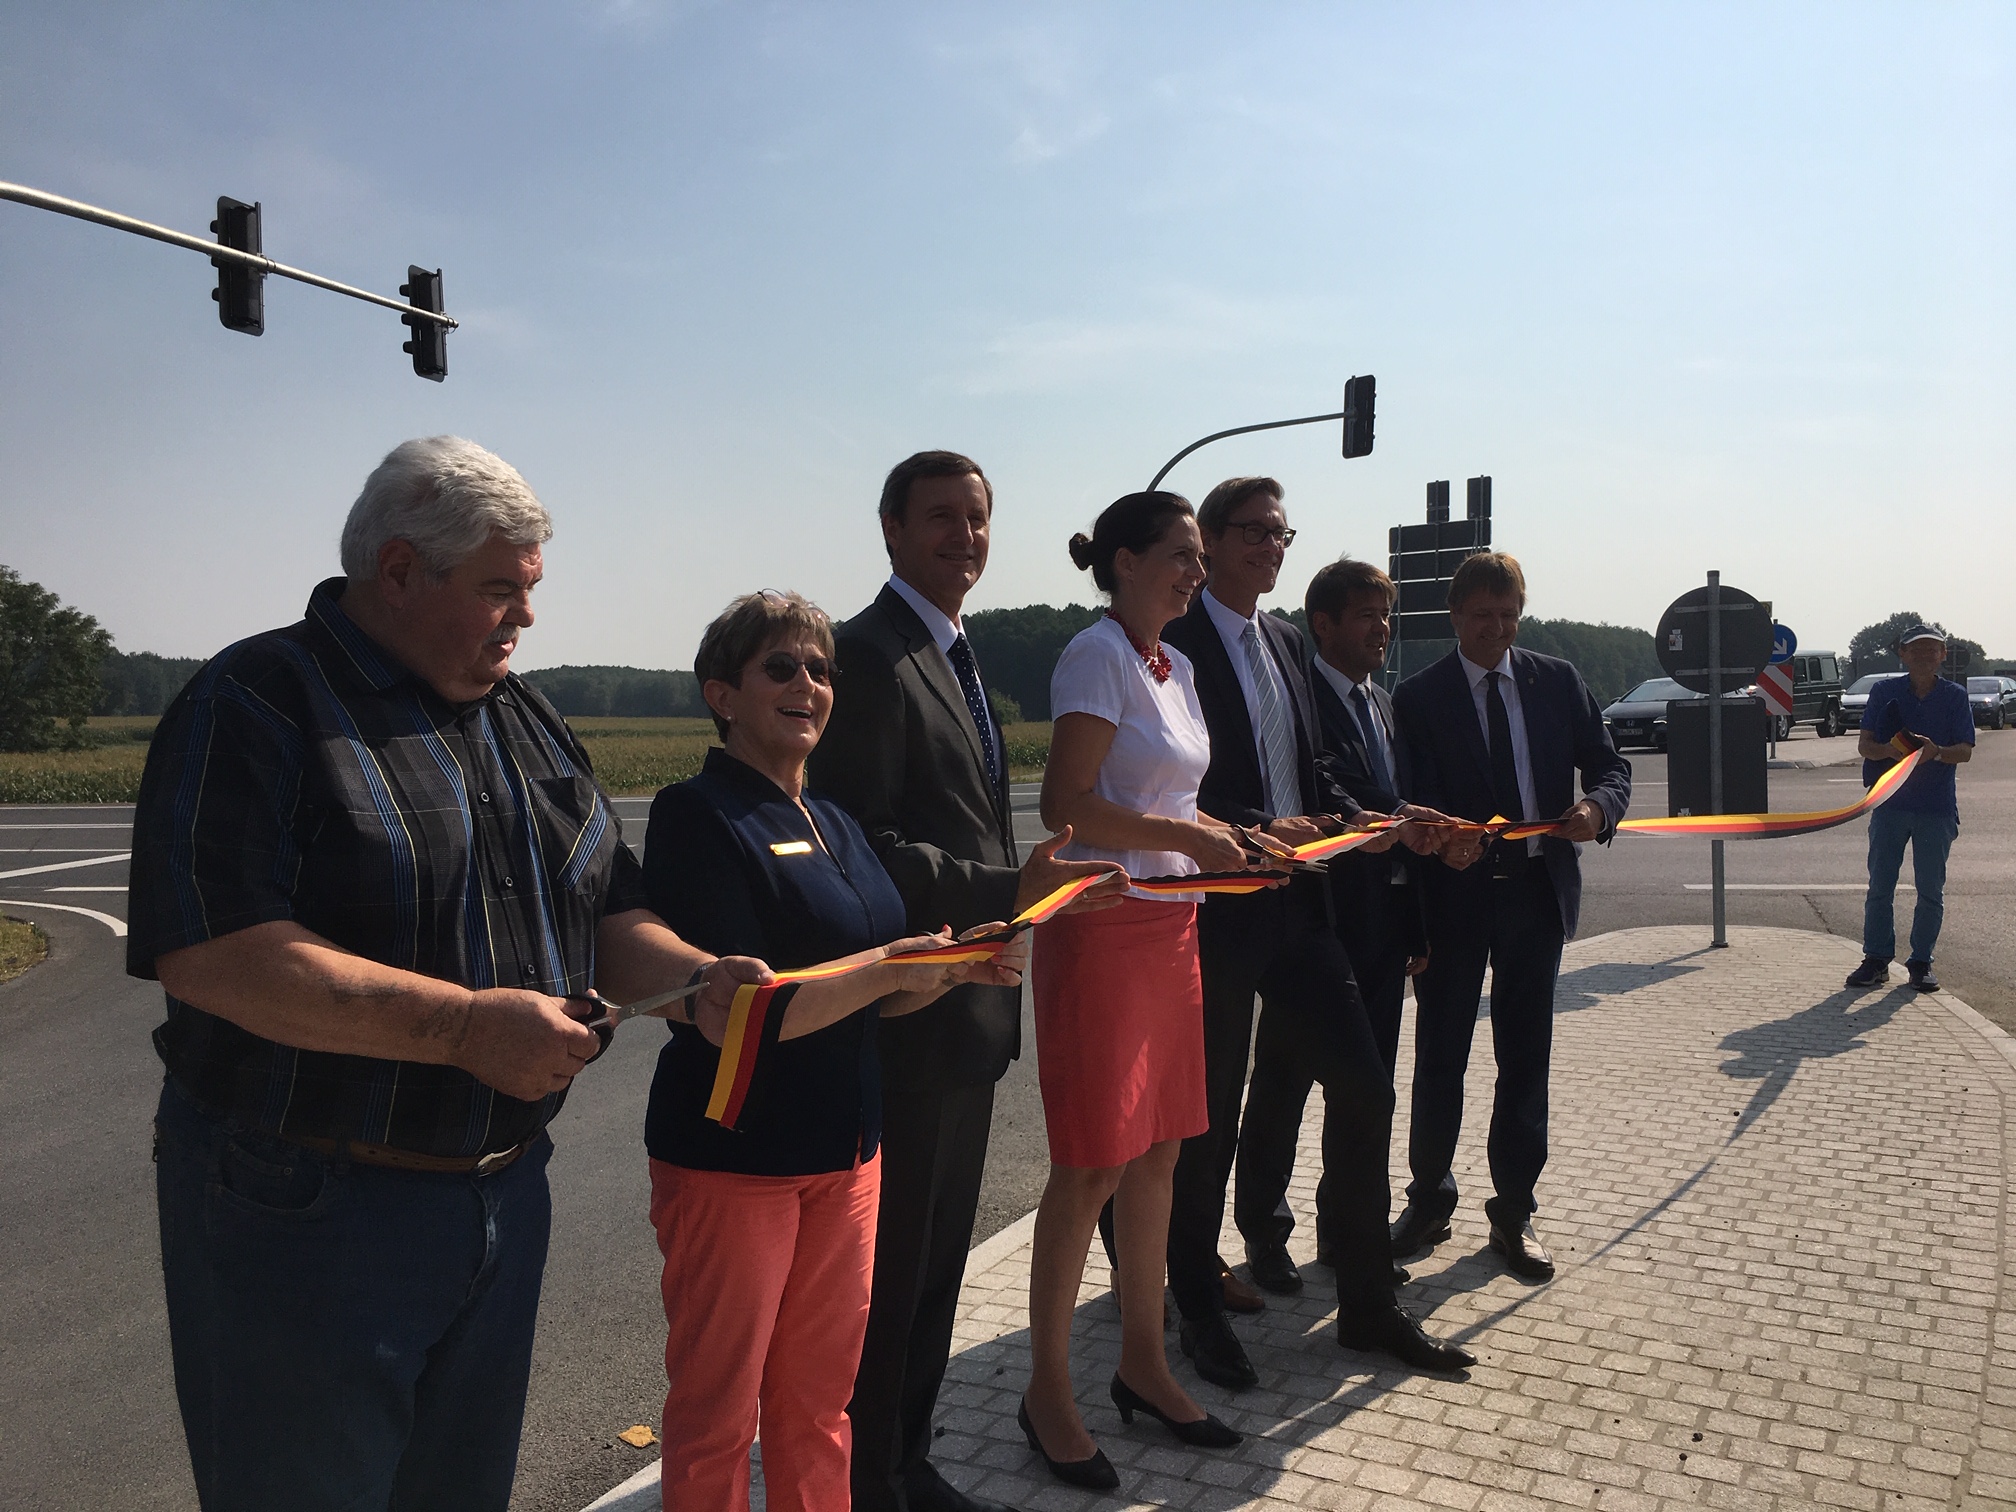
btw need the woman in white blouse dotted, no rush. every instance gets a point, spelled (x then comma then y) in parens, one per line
(1118, 1002)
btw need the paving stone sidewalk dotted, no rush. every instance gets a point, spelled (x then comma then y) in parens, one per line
(1778, 1209)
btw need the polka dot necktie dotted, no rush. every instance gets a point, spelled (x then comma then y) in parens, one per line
(976, 701)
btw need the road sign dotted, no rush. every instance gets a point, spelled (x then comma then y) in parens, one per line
(1682, 639)
(1775, 683)
(1783, 643)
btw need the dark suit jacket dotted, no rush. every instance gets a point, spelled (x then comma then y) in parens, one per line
(1233, 789)
(1450, 767)
(1363, 885)
(902, 755)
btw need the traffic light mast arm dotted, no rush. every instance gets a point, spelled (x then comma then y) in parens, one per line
(40, 200)
(1237, 430)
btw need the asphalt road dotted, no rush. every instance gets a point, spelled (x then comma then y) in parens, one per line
(84, 1381)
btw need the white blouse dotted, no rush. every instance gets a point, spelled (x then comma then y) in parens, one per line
(1160, 744)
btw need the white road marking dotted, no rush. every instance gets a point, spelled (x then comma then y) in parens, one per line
(63, 826)
(1791, 886)
(117, 926)
(85, 889)
(57, 850)
(29, 871)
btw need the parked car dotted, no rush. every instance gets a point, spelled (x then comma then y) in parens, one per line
(1639, 717)
(1994, 700)
(1856, 699)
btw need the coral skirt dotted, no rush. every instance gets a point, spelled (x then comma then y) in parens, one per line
(1119, 1030)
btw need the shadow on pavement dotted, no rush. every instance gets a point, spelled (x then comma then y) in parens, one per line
(1588, 986)
(1771, 1054)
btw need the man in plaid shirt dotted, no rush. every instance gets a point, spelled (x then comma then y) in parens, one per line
(369, 866)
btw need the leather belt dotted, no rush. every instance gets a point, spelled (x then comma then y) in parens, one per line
(393, 1158)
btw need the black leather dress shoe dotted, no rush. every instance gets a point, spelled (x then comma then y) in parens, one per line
(1523, 1252)
(1217, 1353)
(928, 1491)
(1273, 1271)
(1415, 1230)
(1393, 1330)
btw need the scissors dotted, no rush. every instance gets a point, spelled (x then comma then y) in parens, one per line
(601, 1015)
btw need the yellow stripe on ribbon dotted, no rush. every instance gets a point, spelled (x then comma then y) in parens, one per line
(731, 1051)
(1770, 826)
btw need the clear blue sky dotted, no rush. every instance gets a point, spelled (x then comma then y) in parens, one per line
(1699, 285)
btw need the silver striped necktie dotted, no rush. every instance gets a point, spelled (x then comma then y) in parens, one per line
(1277, 740)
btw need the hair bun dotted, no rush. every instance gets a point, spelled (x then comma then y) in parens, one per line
(1081, 551)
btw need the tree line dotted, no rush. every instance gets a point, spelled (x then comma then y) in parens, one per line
(58, 666)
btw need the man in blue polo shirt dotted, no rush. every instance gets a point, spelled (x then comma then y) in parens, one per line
(1931, 711)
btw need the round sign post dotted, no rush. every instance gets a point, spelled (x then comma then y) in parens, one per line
(1711, 638)
(1783, 643)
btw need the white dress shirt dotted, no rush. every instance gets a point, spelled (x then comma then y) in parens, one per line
(1522, 761)
(943, 631)
(1344, 686)
(1231, 627)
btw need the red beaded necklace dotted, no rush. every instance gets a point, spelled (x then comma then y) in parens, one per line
(1156, 658)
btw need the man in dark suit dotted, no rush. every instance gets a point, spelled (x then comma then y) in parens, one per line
(914, 753)
(1376, 900)
(1253, 684)
(1490, 730)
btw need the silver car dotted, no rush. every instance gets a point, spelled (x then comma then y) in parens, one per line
(1993, 700)
(1856, 699)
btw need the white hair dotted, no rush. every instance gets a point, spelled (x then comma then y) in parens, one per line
(447, 497)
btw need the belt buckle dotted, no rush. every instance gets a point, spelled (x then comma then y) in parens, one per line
(496, 1160)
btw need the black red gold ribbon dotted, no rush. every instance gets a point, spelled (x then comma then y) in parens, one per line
(1772, 826)
(756, 1015)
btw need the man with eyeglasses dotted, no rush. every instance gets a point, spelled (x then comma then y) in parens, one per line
(914, 753)
(1269, 771)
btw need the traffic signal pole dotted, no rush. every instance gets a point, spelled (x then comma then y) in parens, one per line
(1356, 415)
(258, 264)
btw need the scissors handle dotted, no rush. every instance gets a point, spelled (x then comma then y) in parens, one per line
(592, 1013)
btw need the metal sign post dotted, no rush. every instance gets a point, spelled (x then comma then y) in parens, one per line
(1721, 939)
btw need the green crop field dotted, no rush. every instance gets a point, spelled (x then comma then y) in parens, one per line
(631, 756)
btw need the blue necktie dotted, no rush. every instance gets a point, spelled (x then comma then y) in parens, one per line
(1375, 737)
(961, 657)
(1277, 741)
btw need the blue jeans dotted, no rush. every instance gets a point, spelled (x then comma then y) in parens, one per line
(345, 1336)
(1931, 836)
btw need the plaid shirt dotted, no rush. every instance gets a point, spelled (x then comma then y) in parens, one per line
(304, 774)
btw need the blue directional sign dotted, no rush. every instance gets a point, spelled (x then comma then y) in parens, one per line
(1783, 643)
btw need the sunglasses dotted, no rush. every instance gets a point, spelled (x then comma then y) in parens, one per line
(782, 667)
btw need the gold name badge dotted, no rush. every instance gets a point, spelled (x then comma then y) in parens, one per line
(792, 848)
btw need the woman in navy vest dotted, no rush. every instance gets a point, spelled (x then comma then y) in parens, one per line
(768, 1228)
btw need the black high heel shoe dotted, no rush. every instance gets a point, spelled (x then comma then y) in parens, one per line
(1203, 1433)
(1094, 1474)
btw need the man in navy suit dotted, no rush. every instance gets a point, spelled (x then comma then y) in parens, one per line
(1253, 684)
(1376, 899)
(1490, 730)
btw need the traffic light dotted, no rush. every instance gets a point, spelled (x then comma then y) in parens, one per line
(429, 345)
(240, 291)
(1358, 394)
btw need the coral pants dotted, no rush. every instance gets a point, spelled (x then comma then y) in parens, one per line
(766, 1299)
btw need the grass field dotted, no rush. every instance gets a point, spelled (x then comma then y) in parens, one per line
(631, 756)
